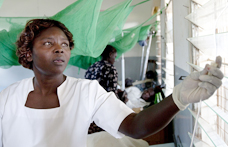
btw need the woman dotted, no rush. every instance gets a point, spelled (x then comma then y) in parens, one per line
(104, 71)
(51, 109)
(106, 74)
(54, 110)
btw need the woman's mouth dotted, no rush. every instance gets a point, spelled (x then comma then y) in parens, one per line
(59, 61)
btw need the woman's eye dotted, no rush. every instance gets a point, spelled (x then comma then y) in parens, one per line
(47, 43)
(65, 45)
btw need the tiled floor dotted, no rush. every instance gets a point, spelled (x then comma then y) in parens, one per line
(164, 145)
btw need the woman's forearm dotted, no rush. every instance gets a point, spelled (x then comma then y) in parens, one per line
(150, 120)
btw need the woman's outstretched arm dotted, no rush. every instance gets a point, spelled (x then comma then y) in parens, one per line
(195, 87)
(150, 120)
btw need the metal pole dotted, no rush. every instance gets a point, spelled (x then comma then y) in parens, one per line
(123, 69)
(123, 72)
(147, 57)
(140, 76)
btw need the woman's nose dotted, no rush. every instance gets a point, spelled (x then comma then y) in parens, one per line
(58, 49)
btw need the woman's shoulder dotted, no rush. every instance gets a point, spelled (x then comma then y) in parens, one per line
(14, 89)
(84, 86)
(79, 81)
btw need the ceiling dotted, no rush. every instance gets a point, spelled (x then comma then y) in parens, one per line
(33, 8)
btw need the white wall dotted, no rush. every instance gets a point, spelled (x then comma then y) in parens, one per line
(32, 8)
(13, 74)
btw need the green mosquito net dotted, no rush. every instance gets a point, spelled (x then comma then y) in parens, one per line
(92, 30)
(1, 1)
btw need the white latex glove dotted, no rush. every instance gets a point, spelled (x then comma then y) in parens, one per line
(198, 85)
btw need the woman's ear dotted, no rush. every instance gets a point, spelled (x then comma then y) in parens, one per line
(110, 54)
(29, 56)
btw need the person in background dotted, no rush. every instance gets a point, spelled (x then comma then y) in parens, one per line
(106, 74)
(55, 110)
(104, 71)
(122, 95)
(138, 99)
(134, 95)
(128, 82)
(149, 95)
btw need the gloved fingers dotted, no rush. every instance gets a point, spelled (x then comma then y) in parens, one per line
(211, 79)
(209, 68)
(196, 75)
(215, 71)
(209, 87)
(218, 61)
(205, 70)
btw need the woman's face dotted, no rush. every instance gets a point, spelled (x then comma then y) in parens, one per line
(51, 52)
(112, 57)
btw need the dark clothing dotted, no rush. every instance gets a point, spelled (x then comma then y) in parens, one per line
(93, 128)
(105, 73)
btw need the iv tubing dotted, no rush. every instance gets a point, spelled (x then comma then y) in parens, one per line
(196, 122)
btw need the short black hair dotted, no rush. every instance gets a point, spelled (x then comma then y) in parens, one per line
(128, 82)
(108, 49)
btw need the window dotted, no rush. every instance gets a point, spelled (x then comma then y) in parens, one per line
(166, 53)
(210, 38)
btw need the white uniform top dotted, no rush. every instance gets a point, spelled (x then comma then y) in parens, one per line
(81, 102)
